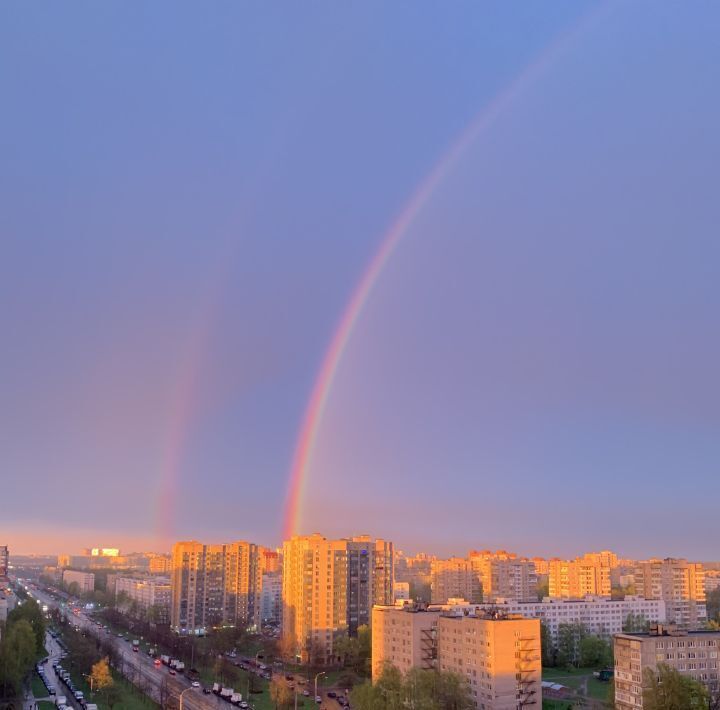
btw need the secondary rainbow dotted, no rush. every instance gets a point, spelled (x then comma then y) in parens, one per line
(322, 387)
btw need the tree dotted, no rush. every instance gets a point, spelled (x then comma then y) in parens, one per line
(712, 602)
(31, 612)
(568, 646)
(100, 676)
(17, 655)
(547, 647)
(668, 689)
(635, 623)
(364, 638)
(595, 652)
(281, 695)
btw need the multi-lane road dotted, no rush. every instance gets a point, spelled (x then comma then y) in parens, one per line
(140, 669)
(157, 682)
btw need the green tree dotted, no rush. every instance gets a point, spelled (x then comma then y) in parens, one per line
(595, 652)
(635, 623)
(568, 646)
(17, 655)
(364, 639)
(670, 690)
(31, 612)
(712, 602)
(547, 646)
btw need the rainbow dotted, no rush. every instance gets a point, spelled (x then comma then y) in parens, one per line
(327, 373)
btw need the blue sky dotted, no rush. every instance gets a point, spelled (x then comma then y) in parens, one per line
(189, 194)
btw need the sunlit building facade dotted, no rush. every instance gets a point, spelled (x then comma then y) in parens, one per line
(214, 586)
(329, 588)
(583, 576)
(454, 578)
(690, 653)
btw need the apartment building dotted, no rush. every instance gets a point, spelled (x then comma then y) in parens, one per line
(498, 654)
(152, 595)
(589, 575)
(84, 580)
(160, 564)
(691, 653)
(329, 588)
(214, 585)
(401, 591)
(600, 615)
(271, 598)
(404, 636)
(454, 578)
(503, 575)
(712, 581)
(4, 562)
(680, 584)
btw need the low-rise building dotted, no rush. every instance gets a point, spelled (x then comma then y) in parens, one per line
(691, 653)
(599, 615)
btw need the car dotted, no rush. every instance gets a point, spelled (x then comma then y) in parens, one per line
(306, 693)
(318, 699)
(195, 684)
(172, 671)
(332, 694)
(207, 691)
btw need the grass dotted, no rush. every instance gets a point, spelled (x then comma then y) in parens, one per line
(45, 705)
(556, 704)
(38, 687)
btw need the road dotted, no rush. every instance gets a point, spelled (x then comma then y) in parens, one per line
(138, 667)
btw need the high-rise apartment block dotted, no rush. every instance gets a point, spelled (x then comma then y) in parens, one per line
(329, 588)
(680, 584)
(271, 598)
(583, 576)
(503, 575)
(454, 578)
(214, 585)
(4, 562)
(694, 654)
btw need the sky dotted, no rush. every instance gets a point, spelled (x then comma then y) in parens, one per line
(190, 195)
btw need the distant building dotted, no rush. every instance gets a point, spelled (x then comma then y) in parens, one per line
(7, 603)
(599, 615)
(214, 585)
(680, 584)
(454, 578)
(583, 576)
(160, 564)
(84, 580)
(151, 595)
(712, 581)
(4, 562)
(401, 591)
(691, 653)
(271, 598)
(329, 588)
(503, 575)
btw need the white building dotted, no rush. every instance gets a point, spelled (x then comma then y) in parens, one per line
(401, 591)
(600, 615)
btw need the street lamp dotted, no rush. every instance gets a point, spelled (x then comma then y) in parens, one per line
(181, 696)
(316, 680)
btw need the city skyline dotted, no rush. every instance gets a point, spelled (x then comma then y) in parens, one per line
(459, 288)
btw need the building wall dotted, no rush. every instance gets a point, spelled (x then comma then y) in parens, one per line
(85, 580)
(214, 585)
(329, 587)
(454, 578)
(148, 593)
(681, 584)
(693, 654)
(271, 598)
(499, 657)
(404, 637)
(590, 574)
